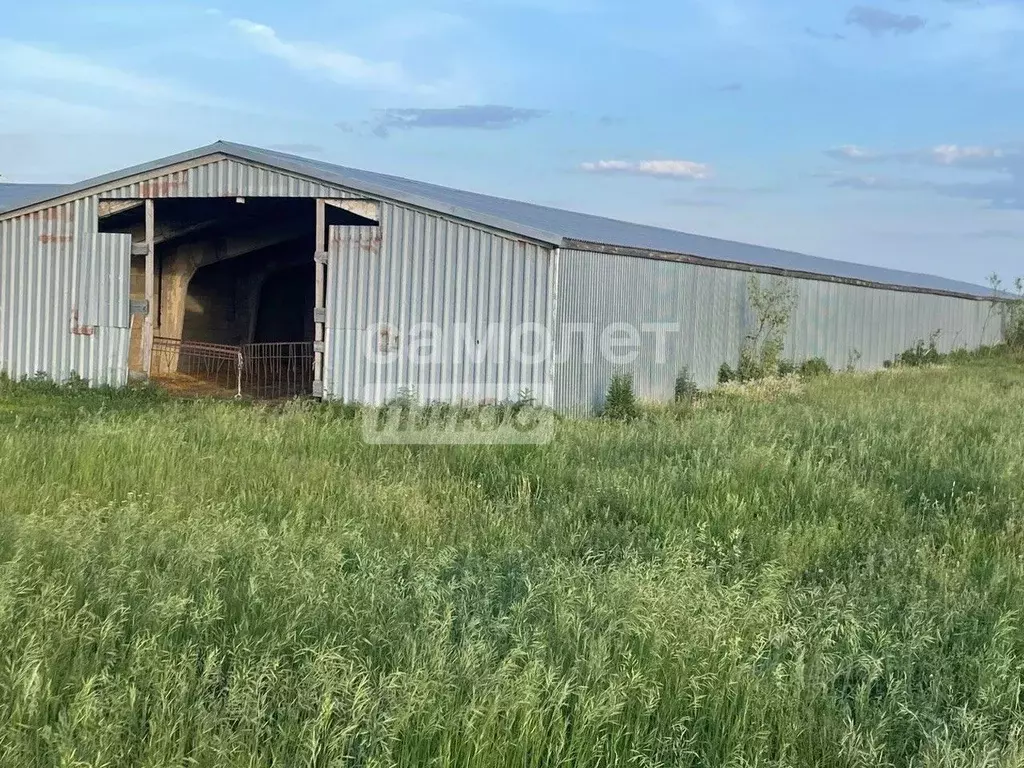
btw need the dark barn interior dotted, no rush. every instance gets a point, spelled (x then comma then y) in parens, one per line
(233, 277)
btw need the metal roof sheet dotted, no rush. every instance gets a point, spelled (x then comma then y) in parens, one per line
(549, 225)
(570, 225)
(15, 195)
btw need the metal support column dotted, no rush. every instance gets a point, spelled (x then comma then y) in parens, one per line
(320, 305)
(147, 328)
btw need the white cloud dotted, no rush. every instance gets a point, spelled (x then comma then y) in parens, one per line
(337, 65)
(853, 152)
(677, 169)
(25, 62)
(875, 183)
(952, 155)
(1004, 166)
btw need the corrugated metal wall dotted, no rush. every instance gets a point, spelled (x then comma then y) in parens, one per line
(227, 178)
(64, 296)
(64, 303)
(64, 289)
(418, 268)
(832, 320)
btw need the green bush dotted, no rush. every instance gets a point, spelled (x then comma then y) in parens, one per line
(921, 353)
(761, 354)
(816, 366)
(751, 367)
(773, 306)
(620, 402)
(853, 360)
(787, 367)
(1009, 304)
(686, 388)
(1013, 331)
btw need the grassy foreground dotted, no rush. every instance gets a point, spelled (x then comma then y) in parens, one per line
(832, 577)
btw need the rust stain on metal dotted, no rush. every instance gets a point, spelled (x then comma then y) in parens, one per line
(80, 330)
(161, 187)
(59, 213)
(51, 239)
(373, 245)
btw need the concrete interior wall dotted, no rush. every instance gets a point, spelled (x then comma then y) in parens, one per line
(262, 296)
(137, 292)
(284, 311)
(215, 304)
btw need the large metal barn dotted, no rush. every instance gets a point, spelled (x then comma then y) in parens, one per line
(273, 275)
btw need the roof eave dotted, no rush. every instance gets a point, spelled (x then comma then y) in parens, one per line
(687, 258)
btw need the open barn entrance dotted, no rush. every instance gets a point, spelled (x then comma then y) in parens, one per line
(233, 298)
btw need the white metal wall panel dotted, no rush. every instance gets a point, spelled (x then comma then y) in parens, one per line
(416, 269)
(63, 296)
(227, 178)
(833, 320)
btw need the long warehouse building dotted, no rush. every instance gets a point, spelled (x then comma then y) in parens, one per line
(359, 286)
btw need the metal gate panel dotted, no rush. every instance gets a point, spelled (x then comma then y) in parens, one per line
(357, 295)
(104, 276)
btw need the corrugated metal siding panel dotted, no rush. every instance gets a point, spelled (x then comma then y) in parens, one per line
(848, 324)
(831, 320)
(227, 178)
(598, 290)
(103, 290)
(63, 296)
(418, 268)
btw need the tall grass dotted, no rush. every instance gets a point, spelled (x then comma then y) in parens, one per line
(829, 577)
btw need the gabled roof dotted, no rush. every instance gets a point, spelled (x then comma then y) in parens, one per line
(549, 225)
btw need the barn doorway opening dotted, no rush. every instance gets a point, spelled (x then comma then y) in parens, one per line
(285, 308)
(233, 301)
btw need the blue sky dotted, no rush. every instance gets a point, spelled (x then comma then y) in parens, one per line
(887, 132)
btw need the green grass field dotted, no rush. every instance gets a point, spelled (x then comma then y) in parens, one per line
(828, 576)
